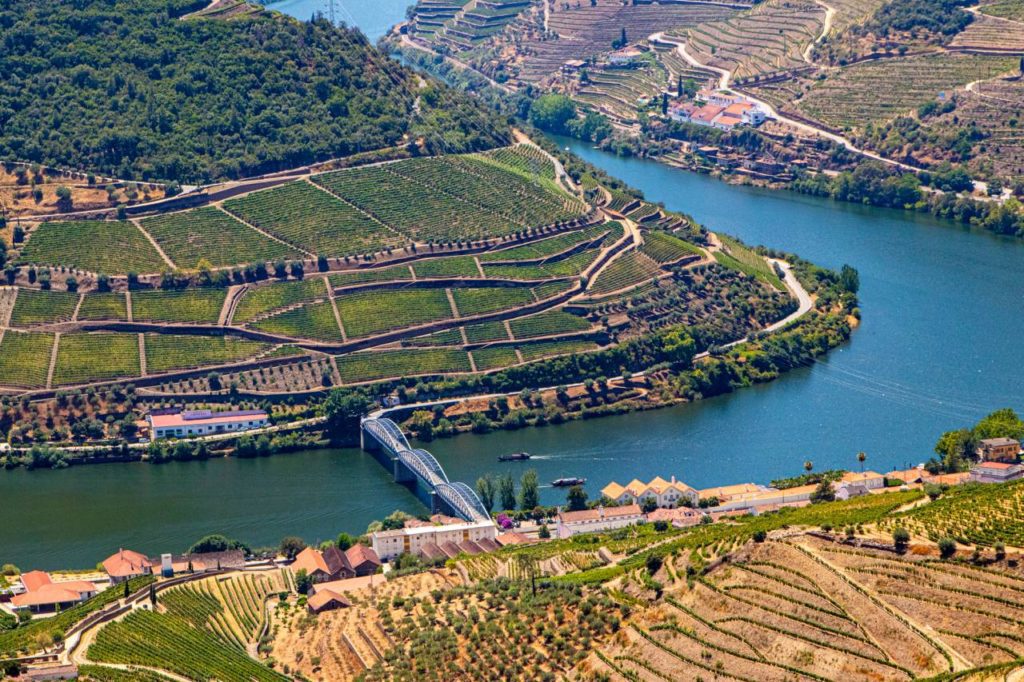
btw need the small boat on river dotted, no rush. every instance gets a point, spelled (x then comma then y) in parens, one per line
(566, 482)
(514, 457)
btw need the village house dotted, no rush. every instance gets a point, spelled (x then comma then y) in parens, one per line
(596, 520)
(669, 493)
(681, 517)
(41, 595)
(998, 450)
(870, 479)
(725, 493)
(335, 564)
(436, 541)
(908, 476)
(720, 110)
(326, 600)
(180, 424)
(125, 565)
(627, 56)
(573, 66)
(766, 497)
(996, 472)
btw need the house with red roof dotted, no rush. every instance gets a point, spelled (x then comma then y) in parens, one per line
(996, 472)
(335, 564)
(42, 595)
(126, 565)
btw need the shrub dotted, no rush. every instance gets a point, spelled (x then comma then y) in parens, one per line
(947, 547)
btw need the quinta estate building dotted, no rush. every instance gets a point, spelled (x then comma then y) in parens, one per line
(435, 541)
(665, 493)
(184, 423)
(998, 450)
(599, 519)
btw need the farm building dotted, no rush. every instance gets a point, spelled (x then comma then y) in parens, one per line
(996, 472)
(177, 424)
(870, 479)
(665, 493)
(42, 595)
(327, 600)
(432, 541)
(335, 564)
(998, 450)
(625, 57)
(723, 117)
(125, 565)
(597, 520)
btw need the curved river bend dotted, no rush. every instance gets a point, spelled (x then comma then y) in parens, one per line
(938, 348)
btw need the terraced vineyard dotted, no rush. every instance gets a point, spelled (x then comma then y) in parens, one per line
(630, 270)
(665, 248)
(483, 301)
(341, 279)
(973, 515)
(372, 312)
(312, 321)
(25, 358)
(746, 260)
(104, 306)
(82, 358)
(866, 92)
(494, 357)
(259, 301)
(458, 266)
(313, 220)
(618, 91)
(545, 349)
(548, 324)
(552, 246)
(214, 236)
(42, 307)
(201, 306)
(114, 247)
(173, 643)
(486, 331)
(1006, 9)
(588, 29)
(991, 33)
(167, 352)
(765, 40)
(369, 366)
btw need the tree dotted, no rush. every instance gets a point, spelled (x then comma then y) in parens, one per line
(823, 493)
(849, 279)
(552, 113)
(127, 591)
(485, 490)
(529, 496)
(344, 541)
(64, 202)
(808, 466)
(648, 505)
(653, 564)
(303, 581)
(544, 533)
(343, 409)
(947, 547)
(760, 535)
(900, 539)
(577, 498)
(955, 448)
(861, 457)
(1002, 423)
(291, 545)
(152, 595)
(507, 492)
(216, 543)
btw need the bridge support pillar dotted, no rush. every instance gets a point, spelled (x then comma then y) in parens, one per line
(401, 473)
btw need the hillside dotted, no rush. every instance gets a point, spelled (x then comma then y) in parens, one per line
(138, 91)
(817, 593)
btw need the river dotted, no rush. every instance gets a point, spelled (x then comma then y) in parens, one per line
(938, 348)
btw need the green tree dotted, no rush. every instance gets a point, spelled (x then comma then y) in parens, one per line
(861, 457)
(303, 581)
(900, 539)
(291, 545)
(344, 541)
(947, 547)
(576, 500)
(955, 448)
(216, 543)
(1002, 423)
(544, 533)
(507, 492)
(849, 279)
(485, 489)
(823, 493)
(529, 495)
(343, 409)
(552, 113)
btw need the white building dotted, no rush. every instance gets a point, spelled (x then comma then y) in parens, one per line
(996, 472)
(666, 493)
(425, 540)
(598, 520)
(181, 424)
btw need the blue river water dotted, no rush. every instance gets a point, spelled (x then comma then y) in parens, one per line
(939, 347)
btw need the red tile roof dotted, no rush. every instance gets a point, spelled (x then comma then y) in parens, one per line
(311, 560)
(33, 580)
(361, 554)
(603, 512)
(126, 563)
(183, 419)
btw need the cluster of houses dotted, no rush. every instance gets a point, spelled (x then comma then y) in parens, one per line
(717, 109)
(38, 593)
